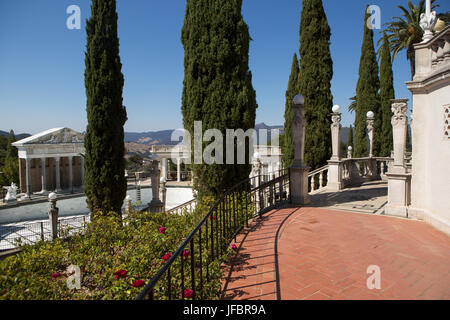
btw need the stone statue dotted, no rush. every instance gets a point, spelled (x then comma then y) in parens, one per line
(427, 23)
(12, 193)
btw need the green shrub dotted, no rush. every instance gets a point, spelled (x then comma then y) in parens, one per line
(108, 245)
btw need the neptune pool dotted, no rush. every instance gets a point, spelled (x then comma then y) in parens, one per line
(78, 206)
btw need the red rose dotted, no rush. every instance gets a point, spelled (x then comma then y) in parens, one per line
(212, 218)
(166, 257)
(162, 230)
(234, 247)
(186, 254)
(138, 283)
(188, 293)
(120, 274)
(56, 275)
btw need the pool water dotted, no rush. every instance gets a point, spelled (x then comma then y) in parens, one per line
(78, 206)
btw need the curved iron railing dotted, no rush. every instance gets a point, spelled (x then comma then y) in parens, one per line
(208, 243)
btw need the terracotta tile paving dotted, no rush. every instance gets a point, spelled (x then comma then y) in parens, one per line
(314, 253)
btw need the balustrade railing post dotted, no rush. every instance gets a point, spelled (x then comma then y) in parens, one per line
(299, 170)
(321, 180)
(334, 177)
(398, 179)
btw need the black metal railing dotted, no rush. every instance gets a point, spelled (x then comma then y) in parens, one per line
(188, 273)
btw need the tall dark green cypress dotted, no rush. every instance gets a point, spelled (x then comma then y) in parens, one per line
(350, 137)
(11, 168)
(292, 90)
(105, 183)
(316, 72)
(367, 95)
(386, 94)
(217, 87)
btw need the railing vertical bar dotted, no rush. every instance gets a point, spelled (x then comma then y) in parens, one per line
(246, 207)
(207, 251)
(234, 216)
(182, 277)
(200, 261)
(212, 235)
(169, 284)
(192, 269)
(216, 222)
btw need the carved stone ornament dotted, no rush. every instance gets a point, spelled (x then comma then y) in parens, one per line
(336, 120)
(427, 23)
(63, 136)
(370, 125)
(399, 108)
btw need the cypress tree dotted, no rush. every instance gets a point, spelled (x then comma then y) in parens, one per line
(105, 183)
(386, 94)
(350, 137)
(217, 87)
(292, 90)
(316, 72)
(11, 168)
(367, 96)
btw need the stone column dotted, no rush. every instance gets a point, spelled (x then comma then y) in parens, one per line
(399, 182)
(20, 175)
(335, 165)
(178, 169)
(155, 205)
(370, 123)
(70, 158)
(163, 192)
(164, 167)
(299, 171)
(28, 177)
(58, 174)
(336, 132)
(43, 176)
(82, 172)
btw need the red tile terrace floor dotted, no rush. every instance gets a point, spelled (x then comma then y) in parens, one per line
(312, 253)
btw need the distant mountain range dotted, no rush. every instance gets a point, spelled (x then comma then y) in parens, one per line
(164, 137)
(19, 136)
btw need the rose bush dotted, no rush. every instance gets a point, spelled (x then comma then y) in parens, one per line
(116, 258)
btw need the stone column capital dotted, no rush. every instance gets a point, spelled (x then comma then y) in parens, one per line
(399, 109)
(335, 120)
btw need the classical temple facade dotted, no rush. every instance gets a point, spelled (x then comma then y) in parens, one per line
(51, 161)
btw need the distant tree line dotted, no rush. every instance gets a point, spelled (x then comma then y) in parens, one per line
(9, 165)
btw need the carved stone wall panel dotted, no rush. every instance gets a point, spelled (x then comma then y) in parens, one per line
(447, 122)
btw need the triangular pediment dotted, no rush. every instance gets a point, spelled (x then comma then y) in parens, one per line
(53, 136)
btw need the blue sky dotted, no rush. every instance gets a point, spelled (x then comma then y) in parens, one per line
(42, 62)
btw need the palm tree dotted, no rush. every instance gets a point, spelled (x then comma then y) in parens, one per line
(352, 106)
(405, 31)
